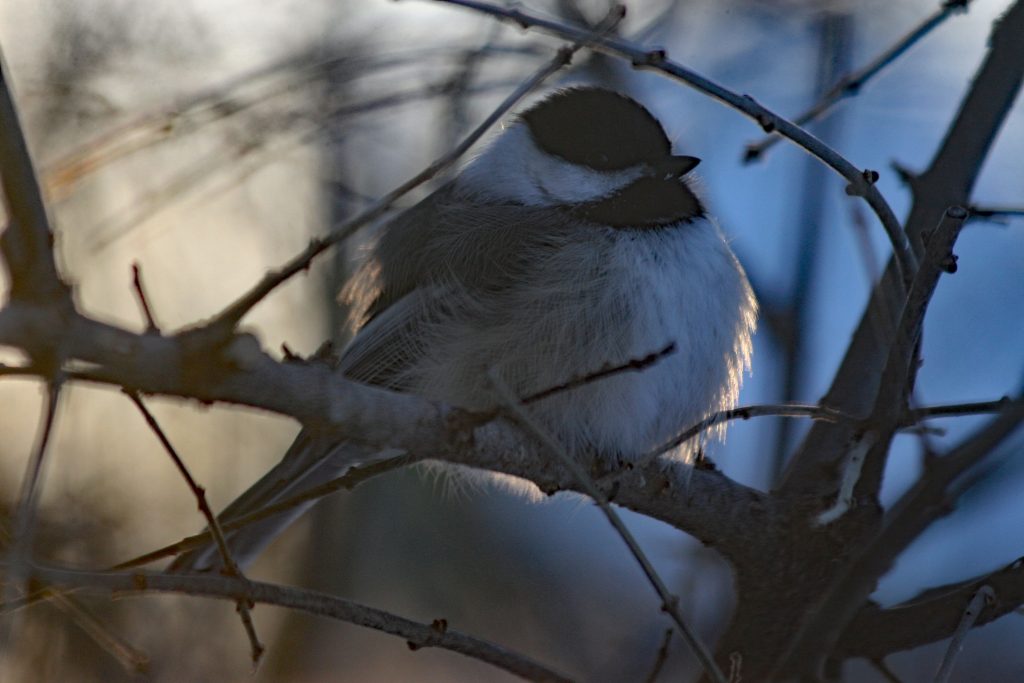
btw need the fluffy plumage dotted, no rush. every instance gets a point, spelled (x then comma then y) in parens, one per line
(560, 250)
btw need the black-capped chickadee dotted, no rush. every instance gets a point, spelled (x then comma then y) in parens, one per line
(574, 241)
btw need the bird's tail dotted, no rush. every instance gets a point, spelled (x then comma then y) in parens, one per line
(310, 461)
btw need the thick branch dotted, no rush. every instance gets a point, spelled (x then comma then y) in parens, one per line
(711, 506)
(27, 242)
(934, 496)
(932, 616)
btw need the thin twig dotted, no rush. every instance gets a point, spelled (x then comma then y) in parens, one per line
(861, 181)
(661, 657)
(311, 602)
(850, 84)
(901, 367)
(835, 36)
(634, 365)
(996, 214)
(984, 596)
(231, 567)
(223, 324)
(249, 155)
(814, 412)
(19, 370)
(669, 602)
(348, 481)
(931, 497)
(18, 556)
(140, 294)
(915, 415)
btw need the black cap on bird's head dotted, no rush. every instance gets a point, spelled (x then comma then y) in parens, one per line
(603, 130)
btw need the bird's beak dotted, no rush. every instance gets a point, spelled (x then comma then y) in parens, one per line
(677, 166)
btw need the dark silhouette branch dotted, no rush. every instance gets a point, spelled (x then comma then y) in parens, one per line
(27, 241)
(876, 632)
(948, 182)
(931, 498)
(232, 588)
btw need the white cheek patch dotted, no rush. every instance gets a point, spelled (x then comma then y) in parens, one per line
(514, 169)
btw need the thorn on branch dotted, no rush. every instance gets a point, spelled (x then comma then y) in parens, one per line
(905, 175)
(948, 264)
(654, 58)
(859, 188)
(140, 294)
(764, 118)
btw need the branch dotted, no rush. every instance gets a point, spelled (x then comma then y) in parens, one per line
(231, 567)
(948, 182)
(669, 602)
(17, 559)
(27, 242)
(915, 415)
(850, 84)
(979, 601)
(348, 481)
(711, 506)
(901, 364)
(995, 214)
(932, 497)
(418, 635)
(932, 616)
(861, 182)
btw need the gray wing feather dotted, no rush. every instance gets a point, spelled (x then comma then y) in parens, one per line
(426, 257)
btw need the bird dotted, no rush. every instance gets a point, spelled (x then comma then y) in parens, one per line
(576, 240)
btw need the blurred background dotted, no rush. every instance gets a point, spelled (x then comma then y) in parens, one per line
(208, 141)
